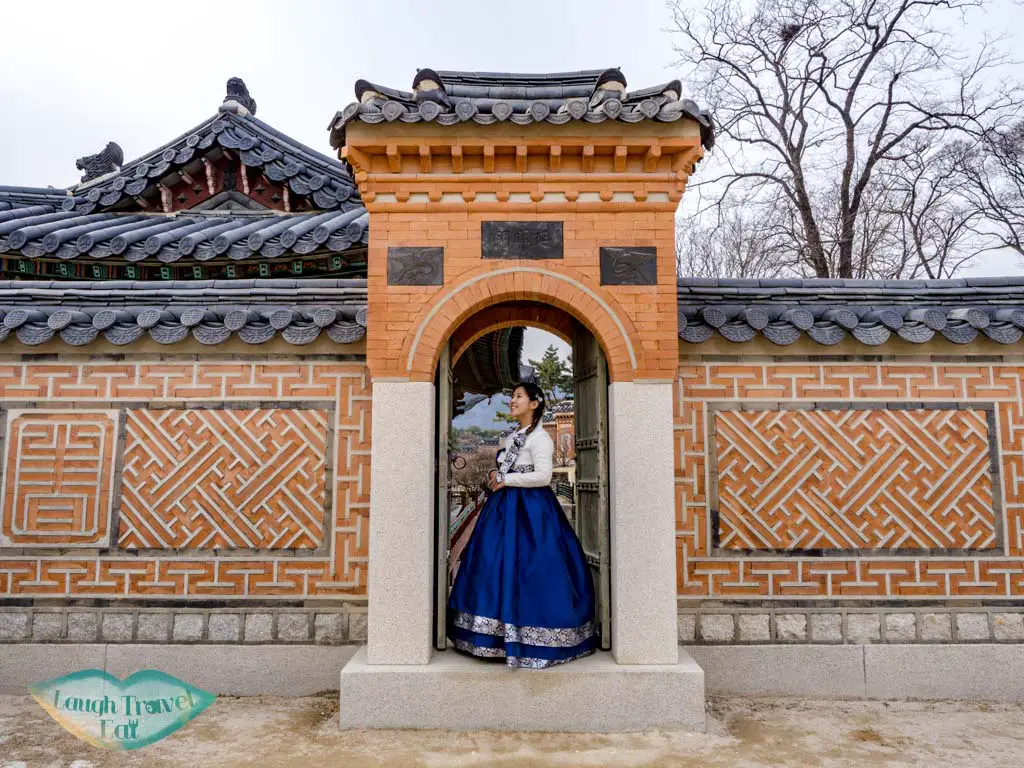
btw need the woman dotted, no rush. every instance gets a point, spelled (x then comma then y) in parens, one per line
(523, 591)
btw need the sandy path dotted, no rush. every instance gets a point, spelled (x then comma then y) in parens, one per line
(271, 731)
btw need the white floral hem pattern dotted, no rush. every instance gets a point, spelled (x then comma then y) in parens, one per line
(549, 637)
(517, 661)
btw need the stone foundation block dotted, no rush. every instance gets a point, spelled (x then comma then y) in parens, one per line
(826, 628)
(14, 626)
(972, 626)
(900, 628)
(687, 625)
(224, 627)
(83, 627)
(188, 627)
(1008, 626)
(116, 627)
(791, 627)
(47, 627)
(863, 628)
(717, 628)
(259, 628)
(754, 627)
(153, 627)
(329, 628)
(293, 627)
(936, 627)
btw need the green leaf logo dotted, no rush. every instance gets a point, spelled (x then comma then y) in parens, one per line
(106, 712)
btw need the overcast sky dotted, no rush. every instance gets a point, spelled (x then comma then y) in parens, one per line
(75, 75)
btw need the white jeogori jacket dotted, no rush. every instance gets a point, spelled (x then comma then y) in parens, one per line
(532, 468)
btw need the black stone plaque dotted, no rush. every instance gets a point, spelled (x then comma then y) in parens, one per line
(521, 239)
(415, 266)
(629, 266)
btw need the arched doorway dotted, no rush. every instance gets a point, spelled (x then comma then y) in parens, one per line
(591, 439)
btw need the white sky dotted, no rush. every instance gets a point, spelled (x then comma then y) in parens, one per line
(75, 75)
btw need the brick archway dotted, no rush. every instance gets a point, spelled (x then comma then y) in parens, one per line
(488, 287)
(508, 314)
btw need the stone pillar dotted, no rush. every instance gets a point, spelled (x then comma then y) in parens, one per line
(400, 583)
(642, 499)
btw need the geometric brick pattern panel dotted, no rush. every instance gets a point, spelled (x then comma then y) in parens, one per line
(854, 479)
(336, 570)
(58, 478)
(969, 570)
(204, 478)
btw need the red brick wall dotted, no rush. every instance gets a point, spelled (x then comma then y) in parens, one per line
(192, 480)
(885, 480)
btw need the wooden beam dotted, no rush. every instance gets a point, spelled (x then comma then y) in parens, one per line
(211, 186)
(424, 158)
(489, 158)
(166, 200)
(457, 158)
(521, 158)
(651, 158)
(141, 202)
(588, 158)
(620, 158)
(244, 172)
(286, 198)
(188, 179)
(394, 158)
(555, 158)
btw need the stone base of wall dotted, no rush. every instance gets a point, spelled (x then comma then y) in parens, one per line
(977, 672)
(254, 670)
(248, 626)
(858, 625)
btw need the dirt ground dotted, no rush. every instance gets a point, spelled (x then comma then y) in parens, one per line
(271, 731)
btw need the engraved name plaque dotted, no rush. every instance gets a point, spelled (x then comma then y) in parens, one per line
(629, 266)
(521, 239)
(415, 266)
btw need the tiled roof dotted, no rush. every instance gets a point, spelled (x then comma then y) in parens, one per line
(24, 197)
(40, 230)
(870, 311)
(281, 159)
(167, 312)
(450, 98)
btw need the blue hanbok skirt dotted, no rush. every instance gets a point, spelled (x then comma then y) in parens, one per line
(523, 591)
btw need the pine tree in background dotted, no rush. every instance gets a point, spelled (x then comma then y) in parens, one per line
(552, 373)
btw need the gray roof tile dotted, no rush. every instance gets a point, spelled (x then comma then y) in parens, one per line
(491, 97)
(283, 159)
(168, 238)
(871, 311)
(211, 311)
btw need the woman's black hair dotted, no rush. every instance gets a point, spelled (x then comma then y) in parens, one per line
(534, 392)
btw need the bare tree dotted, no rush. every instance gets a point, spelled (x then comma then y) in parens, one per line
(993, 172)
(825, 104)
(474, 475)
(748, 240)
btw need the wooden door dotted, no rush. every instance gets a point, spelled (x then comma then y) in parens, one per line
(590, 384)
(443, 473)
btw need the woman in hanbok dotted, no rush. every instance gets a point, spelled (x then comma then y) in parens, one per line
(523, 591)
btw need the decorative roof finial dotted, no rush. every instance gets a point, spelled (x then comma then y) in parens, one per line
(102, 163)
(238, 99)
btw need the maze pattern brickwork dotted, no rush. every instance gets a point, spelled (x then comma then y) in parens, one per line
(224, 479)
(707, 573)
(337, 570)
(58, 475)
(854, 479)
